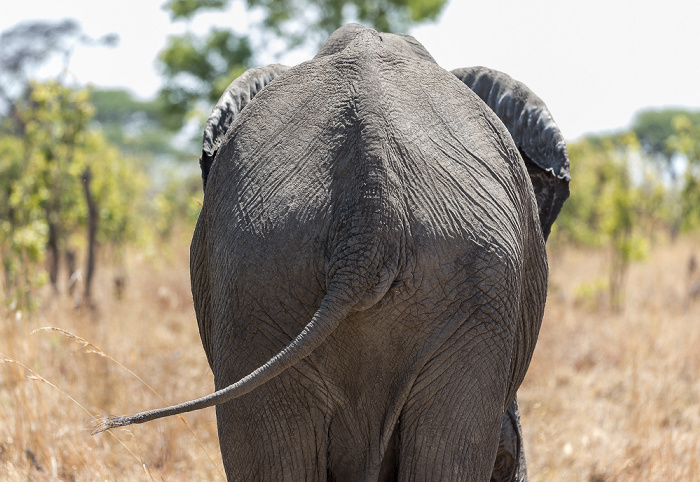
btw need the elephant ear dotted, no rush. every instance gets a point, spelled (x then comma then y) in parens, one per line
(535, 133)
(236, 96)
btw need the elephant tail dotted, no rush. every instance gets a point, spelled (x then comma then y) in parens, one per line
(334, 308)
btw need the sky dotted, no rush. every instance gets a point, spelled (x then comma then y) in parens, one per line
(594, 63)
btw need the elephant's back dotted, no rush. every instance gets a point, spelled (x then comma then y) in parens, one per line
(438, 157)
(381, 167)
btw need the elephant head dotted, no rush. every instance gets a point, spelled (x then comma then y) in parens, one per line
(369, 189)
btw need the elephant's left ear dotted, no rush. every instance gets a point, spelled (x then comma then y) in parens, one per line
(236, 96)
(535, 133)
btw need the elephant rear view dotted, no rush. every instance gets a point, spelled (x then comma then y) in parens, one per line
(368, 270)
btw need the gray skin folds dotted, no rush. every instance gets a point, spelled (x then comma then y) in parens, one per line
(368, 271)
(233, 100)
(537, 136)
(399, 43)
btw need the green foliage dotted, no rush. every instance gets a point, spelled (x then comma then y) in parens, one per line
(685, 140)
(322, 15)
(664, 135)
(592, 293)
(47, 168)
(627, 189)
(118, 106)
(119, 186)
(177, 201)
(136, 127)
(23, 227)
(183, 9)
(41, 193)
(328, 15)
(690, 202)
(606, 208)
(198, 69)
(654, 127)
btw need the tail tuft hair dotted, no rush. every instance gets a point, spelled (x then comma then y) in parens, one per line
(105, 423)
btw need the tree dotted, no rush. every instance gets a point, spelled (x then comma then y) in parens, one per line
(133, 125)
(669, 138)
(654, 128)
(607, 207)
(29, 45)
(136, 127)
(685, 140)
(43, 205)
(295, 19)
(25, 47)
(64, 186)
(199, 69)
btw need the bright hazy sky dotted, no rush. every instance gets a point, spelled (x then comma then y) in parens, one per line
(594, 63)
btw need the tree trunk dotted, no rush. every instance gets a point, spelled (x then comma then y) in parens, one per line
(52, 250)
(92, 231)
(70, 267)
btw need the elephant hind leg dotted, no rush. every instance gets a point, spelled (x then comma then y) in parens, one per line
(358, 455)
(510, 460)
(451, 423)
(273, 434)
(436, 445)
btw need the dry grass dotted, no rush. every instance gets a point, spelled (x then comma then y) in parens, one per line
(44, 435)
(616, 395)
(609, 396)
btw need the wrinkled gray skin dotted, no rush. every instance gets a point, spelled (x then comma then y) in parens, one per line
(368, 269)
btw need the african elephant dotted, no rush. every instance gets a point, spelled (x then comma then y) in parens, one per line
(369, 270)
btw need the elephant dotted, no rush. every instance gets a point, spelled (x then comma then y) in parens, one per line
(368, 269)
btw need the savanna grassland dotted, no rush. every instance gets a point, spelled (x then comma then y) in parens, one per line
(615, 395)
(610, 395)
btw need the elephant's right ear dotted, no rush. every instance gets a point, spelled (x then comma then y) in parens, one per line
(537, 137)
(237, 95)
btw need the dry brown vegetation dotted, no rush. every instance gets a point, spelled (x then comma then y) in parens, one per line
(152, 331)
(616, 395)
(609, 395)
